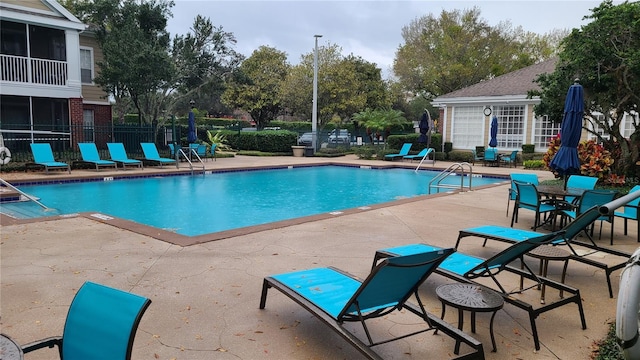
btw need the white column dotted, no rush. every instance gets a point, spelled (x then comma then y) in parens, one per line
(73, 61)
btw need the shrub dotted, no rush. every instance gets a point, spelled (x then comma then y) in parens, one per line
(274, 141)
(333, 152)
(534, 164)
(365, 152)
(528, 148)
(608, 348)
(461, 156)
(594, 159)
(448, 146)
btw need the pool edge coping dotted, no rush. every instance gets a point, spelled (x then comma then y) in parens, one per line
(184, 240)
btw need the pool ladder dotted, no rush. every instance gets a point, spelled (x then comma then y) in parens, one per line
(193, 155)
(454, 169)
(31, 198)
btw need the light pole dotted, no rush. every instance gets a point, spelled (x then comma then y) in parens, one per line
(314, 111)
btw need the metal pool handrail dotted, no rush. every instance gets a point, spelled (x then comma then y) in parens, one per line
(453, 168)
(23, 193)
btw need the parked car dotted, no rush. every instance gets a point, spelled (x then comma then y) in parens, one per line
(305, 139)
(339, 136)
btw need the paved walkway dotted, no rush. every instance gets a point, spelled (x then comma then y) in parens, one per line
(205, 296)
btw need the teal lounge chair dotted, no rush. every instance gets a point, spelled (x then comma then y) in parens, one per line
(119, 155)
(43, 156)
(403, 152)
(151, 155)
(424, 152)
(568, 238)
(101, 324)
(90, 155)
(465, 268)
(336, 297)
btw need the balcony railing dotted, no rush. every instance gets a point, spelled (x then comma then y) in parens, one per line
(31, 70)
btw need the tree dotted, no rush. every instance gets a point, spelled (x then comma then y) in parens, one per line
(378, 121)
(345, 85)
(135, 45)
(256, 87)
(459, 49)
(605, 56)
(205, 59)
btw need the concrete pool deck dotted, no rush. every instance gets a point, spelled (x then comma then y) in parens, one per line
(206, 295)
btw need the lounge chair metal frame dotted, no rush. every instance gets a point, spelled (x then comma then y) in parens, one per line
(90, 155)
(571, 231)
(406, 147)
(361, 306)
(118, 154)
(423, 154)
(43, 157)
(496, 264)
(151, 155)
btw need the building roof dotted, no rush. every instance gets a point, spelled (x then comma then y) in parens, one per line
(518, 82)
(40, 12)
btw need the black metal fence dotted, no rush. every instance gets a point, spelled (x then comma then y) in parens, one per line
(64, 141)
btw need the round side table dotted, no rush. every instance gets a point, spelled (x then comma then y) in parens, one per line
(472, 298)
(546, 253)
(9, 350)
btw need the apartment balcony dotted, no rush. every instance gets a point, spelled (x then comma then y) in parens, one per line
(20, 69)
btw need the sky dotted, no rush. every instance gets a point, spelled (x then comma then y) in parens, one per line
(369, 29)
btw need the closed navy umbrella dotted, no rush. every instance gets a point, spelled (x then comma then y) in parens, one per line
(493, 142)
(424, 128)
(191, 135)
(566, 161)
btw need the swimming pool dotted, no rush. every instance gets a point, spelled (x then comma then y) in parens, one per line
(214, 202)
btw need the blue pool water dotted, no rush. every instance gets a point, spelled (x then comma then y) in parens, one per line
(201, 204)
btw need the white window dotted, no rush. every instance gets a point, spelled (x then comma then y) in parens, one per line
(86, 65)
(467, 130)
(596, 128)
(88, 125)
(544, 131)
(629, 124)
(510, 126)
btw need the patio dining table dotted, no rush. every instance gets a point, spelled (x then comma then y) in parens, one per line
(558, 193)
